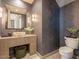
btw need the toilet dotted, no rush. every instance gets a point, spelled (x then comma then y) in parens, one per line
(66, 52)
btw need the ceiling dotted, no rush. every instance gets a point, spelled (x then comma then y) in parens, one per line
(16, 9)
(28, 1)
(62, 3)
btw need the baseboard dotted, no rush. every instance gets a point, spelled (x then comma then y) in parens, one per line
(47, 55)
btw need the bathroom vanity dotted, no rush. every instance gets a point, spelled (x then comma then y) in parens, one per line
(8, 42)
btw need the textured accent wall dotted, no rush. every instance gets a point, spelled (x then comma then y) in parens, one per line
(62, 41)
(50, 29)
(47, 27)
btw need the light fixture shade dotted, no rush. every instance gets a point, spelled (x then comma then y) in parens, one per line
(62, 3)
(28, 1)
(1, 10)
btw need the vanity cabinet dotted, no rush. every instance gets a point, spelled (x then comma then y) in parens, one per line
(8, 42)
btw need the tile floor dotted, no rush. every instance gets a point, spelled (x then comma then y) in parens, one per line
(54, 56)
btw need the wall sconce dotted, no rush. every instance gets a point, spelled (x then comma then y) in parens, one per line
(1, 10)
(29, 19)
(34, 17)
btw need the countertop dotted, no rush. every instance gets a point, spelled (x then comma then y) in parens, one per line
(27, 35)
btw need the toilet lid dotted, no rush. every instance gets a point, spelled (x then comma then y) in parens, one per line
(66, 50)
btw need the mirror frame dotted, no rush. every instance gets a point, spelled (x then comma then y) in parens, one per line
(9, 11)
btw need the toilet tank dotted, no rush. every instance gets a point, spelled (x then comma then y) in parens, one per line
(72, 42)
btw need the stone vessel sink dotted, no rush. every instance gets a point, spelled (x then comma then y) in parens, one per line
(18, 33)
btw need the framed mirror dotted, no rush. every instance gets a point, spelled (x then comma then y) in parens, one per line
(16, 21)
(16, 17)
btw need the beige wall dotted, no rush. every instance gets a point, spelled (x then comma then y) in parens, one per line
(71, 14)
(37, 9)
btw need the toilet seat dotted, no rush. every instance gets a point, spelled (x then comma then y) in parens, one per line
(65, 50)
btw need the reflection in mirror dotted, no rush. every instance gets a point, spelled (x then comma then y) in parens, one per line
(16, 17)
(15, 21)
